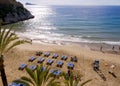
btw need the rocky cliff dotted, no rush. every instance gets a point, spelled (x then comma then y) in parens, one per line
(12, 11)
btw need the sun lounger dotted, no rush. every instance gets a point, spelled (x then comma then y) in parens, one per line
(33, 67)
(12, 84)
(47, 54)
(55, 72)
(64, 57)
(55, 55)
(70, 65)
(15, 84)
(50, 61)
(96, 65)
(31, 59)
(74, 59)
(38, 53)
(59, 64)
(22, 66)
(40, 60)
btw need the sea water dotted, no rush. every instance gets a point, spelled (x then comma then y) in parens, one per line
(89, 24)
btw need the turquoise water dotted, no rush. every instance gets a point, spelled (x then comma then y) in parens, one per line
(89, 24)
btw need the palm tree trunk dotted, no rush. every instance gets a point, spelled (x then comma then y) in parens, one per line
(2, 70)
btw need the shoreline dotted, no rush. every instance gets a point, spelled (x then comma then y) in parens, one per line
(106, 48)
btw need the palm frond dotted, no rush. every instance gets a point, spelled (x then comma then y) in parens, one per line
(2, 34)
(86, 82)
(53, 83)
(16, 43)
(31, 74)
(66, 82)
(26, 79)
(6, 34)
(8, 42)
(22, 82)
(1, 39)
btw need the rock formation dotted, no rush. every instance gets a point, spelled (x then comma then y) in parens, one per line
(12, 11)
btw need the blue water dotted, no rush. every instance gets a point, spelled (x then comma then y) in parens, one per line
(91, 24)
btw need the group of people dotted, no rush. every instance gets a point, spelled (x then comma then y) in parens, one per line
(113, 48)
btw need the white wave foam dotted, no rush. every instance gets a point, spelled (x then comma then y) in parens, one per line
(49, 37)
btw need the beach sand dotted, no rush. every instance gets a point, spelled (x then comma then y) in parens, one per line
(85, 55)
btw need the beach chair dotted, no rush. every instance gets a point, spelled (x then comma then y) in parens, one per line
(16, 84)
(70, 65)
(12, 84)
(55, 72)
(33, 67)
(40, 60)
(39, 53)
(50, 61)
(96, 65)
(59, 64)
(22, 66)
(31, 59)
(64, 57)
(73, 58)
(55, 56)
(47, 54)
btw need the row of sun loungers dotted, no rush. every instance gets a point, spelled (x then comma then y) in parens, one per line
(70, 65)
(31, 59)
(64, 57)
(73, 59)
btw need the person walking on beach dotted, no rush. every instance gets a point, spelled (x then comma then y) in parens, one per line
(101, 48)
(113, 48)
(119, 48)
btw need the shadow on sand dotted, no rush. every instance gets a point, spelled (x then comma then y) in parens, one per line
(99, 72)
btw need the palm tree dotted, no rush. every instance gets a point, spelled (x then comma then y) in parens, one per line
(8, 40)
(38, 77)
(73, 80)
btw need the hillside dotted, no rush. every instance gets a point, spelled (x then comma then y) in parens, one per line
(12, 11)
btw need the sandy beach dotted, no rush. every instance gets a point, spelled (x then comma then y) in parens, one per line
(85, 56)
